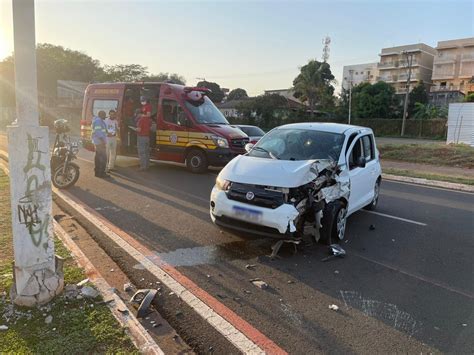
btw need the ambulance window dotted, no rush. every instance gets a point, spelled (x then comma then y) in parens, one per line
(104, 105)
(172, 111)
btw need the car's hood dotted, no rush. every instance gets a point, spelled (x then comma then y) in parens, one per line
(226, 131)
(270, 172)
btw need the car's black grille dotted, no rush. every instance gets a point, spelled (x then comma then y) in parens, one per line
(261, 196)
(248, 227)
(239, 143)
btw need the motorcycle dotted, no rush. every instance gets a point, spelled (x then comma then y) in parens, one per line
(64, 173)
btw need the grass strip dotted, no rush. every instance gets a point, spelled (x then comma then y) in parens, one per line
(79, 326)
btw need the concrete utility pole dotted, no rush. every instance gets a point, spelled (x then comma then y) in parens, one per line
(38, 276)
(409, 59)
(351, 72)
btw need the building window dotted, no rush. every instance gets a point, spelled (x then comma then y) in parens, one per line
(371, 77)
(357, 73)
(361, 73)
(443, 83)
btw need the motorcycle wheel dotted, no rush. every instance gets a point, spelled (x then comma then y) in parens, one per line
(63, 181)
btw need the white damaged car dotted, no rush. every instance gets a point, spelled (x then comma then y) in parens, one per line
(298, 180)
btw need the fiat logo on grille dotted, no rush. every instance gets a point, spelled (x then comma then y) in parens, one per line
(250, 196)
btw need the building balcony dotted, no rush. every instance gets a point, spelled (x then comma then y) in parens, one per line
(387, 65)
(387, 78)
(401, 90)
(413, 77)
(404, 63)
(446, 88)
(467, 57)
(444, 59)
(441, 76)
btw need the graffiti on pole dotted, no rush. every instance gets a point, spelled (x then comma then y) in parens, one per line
(33, 202)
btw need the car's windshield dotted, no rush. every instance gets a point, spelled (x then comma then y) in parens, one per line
(252, 131)
(206, 112)
(299, 144)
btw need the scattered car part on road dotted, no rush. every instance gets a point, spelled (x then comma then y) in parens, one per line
(144, 297)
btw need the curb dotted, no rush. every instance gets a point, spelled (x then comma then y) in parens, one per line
(432, 183)
(140, 337)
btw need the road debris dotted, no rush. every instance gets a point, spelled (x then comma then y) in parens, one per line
(276, 247)
(372, 227)
(48, 319)
(336, 271)
(89, 292)
(127, 287)
(336, 252)
(82, 283)
(3, 327)
(333, 307)
(144, 297)
(260, 284)
(250, 266)
(290, 282)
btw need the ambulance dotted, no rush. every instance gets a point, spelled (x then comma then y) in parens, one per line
(187, 126)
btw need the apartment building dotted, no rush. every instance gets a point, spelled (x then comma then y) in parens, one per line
(453, 71)
(393, 66)
(359, 73)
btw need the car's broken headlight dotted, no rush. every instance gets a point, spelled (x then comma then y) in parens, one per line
(222, 184)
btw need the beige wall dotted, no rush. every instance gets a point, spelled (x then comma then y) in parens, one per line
(454, 66)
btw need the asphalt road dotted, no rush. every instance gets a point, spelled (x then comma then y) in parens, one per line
(406, 286)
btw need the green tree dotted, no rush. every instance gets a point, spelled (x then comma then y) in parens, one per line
(417, 95)
(57, 63)
(237, 94)
(124, 72)
(375, 101)
(165, 77)
(216, 95)
(427, 111)
(264, 110)
(314, 85)
(469, 98)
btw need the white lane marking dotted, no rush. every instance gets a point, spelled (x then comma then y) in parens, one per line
(397, 218)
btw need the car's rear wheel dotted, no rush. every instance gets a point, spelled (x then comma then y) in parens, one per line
(372, 205)
(333, 223)
(196, 161)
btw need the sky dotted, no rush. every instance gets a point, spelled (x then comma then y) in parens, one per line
(255, 45)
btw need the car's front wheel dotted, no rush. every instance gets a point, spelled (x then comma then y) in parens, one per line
(373, 204)
(333, 223)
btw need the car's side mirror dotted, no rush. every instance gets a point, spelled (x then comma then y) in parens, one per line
(361, 162)
(249, 146)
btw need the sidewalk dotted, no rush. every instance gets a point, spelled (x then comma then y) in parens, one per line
(74, 322)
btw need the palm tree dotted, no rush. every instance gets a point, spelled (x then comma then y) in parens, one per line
(313, 84)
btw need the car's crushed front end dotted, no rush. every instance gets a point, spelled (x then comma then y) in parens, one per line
(282, 199)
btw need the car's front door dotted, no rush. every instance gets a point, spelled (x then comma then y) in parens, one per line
(359, 176)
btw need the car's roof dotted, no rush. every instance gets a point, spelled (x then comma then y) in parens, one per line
(327, 127)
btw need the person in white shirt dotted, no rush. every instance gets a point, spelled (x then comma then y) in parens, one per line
(112, 127)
